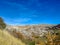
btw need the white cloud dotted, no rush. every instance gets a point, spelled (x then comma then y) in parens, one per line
(18, 21)
(21, 20)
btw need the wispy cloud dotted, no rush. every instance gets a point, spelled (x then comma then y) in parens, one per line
(17, 21)
(24, 11)
(21, 20)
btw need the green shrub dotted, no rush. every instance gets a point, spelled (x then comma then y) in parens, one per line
(32, 43)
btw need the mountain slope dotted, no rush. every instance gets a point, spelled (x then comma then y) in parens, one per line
(7, 39)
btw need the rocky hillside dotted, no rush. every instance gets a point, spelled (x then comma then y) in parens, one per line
(30, 30)
(30, 34)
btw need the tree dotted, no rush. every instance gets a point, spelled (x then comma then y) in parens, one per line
(2, 24)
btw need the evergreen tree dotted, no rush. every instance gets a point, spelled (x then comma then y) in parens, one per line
(2, 24)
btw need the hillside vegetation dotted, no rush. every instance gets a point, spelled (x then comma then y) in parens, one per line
(7, 39)
(37, 34)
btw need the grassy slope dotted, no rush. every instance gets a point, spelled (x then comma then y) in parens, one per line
(7, 39)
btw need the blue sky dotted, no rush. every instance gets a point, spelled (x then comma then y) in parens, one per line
(30, 11)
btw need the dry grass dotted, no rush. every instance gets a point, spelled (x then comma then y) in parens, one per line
(7, 39)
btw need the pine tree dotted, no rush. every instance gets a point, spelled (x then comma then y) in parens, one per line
(2, 24)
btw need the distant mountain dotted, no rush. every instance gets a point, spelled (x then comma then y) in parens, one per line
(56, 27)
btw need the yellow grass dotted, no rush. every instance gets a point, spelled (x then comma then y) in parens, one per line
(7, 39)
